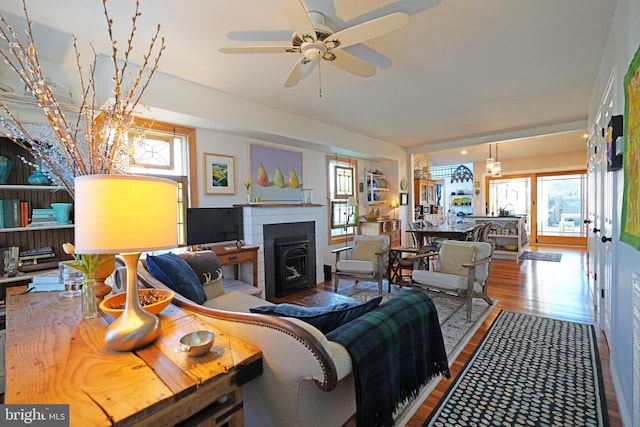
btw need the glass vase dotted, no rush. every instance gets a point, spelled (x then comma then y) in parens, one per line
(89, 300)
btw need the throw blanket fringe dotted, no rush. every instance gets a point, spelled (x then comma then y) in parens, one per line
(395, 349)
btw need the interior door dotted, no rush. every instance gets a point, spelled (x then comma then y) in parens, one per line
(592, 201)
(608, 211)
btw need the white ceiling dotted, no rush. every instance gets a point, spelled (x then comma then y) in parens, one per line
(462, 72)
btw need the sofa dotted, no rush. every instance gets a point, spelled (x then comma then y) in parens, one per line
(307, 379)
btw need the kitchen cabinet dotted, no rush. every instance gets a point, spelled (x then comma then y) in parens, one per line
(508, 234)
(424, 191)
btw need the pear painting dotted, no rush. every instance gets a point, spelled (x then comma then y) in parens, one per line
(262, 178)
(278, 178)
(293, 179)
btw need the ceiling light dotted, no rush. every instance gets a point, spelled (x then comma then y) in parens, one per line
(489, 162)
(463, 152)
(497, 167)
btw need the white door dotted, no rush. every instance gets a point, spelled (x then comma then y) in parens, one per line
(600, 238)
(593, 200)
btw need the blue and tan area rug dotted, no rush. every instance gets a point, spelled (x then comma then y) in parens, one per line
(528, 370)
(541, 256)
(456, 332)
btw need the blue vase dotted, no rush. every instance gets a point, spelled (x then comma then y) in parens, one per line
(38, 178)
(5, 168)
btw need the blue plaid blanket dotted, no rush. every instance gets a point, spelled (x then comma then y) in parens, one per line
(395, 349)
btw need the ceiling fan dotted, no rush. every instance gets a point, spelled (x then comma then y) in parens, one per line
(316, 41)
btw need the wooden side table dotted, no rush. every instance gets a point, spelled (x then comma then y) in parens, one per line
(237, 256)
(56, 357)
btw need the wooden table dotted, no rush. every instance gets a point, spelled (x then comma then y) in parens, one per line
(56, 357)
(443, 231)
(236, 256)
(395, 255)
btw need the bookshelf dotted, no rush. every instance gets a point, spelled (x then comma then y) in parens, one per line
(39, 196)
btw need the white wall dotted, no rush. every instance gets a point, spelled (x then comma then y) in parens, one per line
(623, 42)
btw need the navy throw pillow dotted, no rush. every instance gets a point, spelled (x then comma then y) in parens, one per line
(174, 272)
(326, 319)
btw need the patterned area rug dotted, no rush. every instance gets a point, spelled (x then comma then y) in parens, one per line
(528, 370)
(456, 332)
(541, 256)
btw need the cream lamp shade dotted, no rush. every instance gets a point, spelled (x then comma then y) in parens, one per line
(393, 204)
(126, 214)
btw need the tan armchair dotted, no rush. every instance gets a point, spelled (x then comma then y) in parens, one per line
(463, 271)
(367, 259)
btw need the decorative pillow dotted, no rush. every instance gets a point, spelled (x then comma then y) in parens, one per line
(214, 288)
(326, 319)
(453, 256)
(174, 272)
(205, 264)
(365, 250)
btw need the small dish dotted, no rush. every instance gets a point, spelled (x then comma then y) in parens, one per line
(196, 343)
(114, 305)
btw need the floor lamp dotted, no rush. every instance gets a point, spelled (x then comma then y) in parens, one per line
(352, 204)
(126, 215)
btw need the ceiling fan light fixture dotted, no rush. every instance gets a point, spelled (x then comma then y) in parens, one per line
(313, 51)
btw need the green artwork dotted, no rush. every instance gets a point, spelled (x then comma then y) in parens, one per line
(630, 230)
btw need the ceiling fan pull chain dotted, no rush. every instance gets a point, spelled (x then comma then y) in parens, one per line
(320, 78)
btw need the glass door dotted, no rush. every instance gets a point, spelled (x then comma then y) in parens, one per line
(553, 204)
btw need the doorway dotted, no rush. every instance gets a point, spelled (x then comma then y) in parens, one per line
(553, 204)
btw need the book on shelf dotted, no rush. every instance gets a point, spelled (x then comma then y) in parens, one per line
(46, 250)
(40, 265)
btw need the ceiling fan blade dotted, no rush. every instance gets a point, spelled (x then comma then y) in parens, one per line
(368, 30)
(353, 65)
(299, 71)
(298, 18)
(257, 49)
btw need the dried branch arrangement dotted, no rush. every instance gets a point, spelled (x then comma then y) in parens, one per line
(92, 139)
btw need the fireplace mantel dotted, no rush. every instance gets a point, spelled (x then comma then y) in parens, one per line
(255, 216)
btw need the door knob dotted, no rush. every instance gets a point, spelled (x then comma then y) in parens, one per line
(605, 239)
(587, 221)
(596, 230)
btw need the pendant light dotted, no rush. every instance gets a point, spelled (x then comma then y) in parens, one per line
(497, 167)
(489, 163)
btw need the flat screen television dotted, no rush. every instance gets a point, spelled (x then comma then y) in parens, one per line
(213, 225)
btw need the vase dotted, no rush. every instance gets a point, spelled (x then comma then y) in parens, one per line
(249, 198)
(5, 168)
(38, 177)
(102, 272)
(89, 300)
(63, 212)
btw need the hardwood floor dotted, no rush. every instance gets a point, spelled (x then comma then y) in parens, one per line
(552, 289)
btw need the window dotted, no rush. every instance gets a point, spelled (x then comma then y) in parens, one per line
(342, 176)
(164, 151)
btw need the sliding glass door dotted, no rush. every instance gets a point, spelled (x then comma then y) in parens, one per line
(553, 203)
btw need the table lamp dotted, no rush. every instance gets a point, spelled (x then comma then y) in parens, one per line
(126, 215)
(393, 205)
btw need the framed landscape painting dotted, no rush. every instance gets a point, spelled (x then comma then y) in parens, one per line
(219, 174)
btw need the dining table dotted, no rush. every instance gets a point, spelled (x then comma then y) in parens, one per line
(457, 231)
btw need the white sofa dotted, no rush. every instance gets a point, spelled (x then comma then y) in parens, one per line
(306, 380)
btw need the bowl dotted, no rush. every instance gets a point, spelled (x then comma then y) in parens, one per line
(371, 217)
(114, 305)
(196, 343)
(511, 247)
